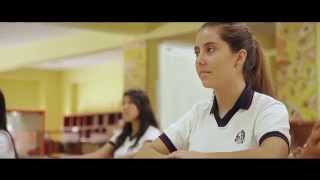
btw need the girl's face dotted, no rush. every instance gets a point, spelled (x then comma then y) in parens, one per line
(130, 111)
(216, 64)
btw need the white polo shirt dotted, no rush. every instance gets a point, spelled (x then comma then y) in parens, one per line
(151, 134)
(6, 146)
(254, 118)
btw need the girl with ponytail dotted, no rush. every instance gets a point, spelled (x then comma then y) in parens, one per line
(242, 120)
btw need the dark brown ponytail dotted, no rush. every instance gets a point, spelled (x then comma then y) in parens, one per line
(255, 72)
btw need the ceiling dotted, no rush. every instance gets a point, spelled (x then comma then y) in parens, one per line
(124, 28)
(81, 61)
(60, 46)
(28, 44)
(17, 33)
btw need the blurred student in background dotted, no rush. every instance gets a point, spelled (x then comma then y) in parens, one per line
(7, 146)
(140, 127)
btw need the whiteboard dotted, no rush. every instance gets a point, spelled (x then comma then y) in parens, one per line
(179, 86)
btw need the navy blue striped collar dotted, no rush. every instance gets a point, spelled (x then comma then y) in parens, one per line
(244, 102)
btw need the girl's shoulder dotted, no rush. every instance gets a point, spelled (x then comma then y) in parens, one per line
(263, 101)
(6, 146)
(4, 138)
(152, 133)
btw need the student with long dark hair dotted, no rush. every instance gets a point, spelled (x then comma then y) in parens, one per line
(242, 120)
(140, 127)
(7, 147)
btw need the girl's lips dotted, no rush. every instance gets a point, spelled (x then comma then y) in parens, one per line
(204, 72)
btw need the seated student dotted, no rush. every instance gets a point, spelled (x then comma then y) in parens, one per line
(140, 127)
(242, 120)
(312, 147)
(7, 147)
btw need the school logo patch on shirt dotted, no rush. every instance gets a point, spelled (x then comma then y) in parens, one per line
(240, 137)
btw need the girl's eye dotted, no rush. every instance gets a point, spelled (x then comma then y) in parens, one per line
(196, 53)
(210, 50)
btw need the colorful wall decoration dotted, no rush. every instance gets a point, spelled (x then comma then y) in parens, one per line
(135, 62)
(295, 68)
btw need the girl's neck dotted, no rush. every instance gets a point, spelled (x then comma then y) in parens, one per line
(228, 95)
(135, 127)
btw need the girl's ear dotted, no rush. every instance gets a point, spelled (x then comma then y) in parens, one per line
(240, 59)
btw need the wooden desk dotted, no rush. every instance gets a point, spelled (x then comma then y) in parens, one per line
(300, 131)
